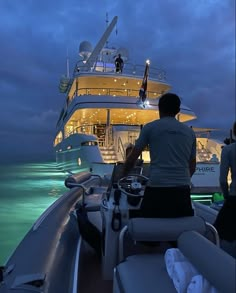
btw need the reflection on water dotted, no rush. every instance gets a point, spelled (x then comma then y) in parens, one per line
(26, 190)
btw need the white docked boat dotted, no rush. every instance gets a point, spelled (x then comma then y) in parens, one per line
(206, 177)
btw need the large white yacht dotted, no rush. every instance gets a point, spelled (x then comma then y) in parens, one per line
(103, 112)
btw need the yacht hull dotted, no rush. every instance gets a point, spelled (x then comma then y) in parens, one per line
(77, 153)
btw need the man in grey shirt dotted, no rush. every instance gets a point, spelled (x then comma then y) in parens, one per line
(228, 164)
(225, 221)
(172, 162)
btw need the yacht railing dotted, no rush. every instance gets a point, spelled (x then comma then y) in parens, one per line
(128, 69)
(86, 129)
(208, 150)
(105, 140)
(121, 148)
(112, 92)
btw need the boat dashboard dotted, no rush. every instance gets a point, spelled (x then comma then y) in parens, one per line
(124, 194)
(131, 185)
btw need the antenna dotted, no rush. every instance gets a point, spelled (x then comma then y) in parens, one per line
(107, 20)
(92, 58)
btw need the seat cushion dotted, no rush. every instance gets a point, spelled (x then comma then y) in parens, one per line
(217, 266)
(164, 229)
(143, 273)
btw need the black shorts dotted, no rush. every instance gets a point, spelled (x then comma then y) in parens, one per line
(225, 221)
(166, 202)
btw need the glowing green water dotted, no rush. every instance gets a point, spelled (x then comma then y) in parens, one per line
(26, 190)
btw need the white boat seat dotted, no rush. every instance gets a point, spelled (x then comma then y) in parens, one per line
(147, 272)
(163, 229)
(205, 212)
(141, 274)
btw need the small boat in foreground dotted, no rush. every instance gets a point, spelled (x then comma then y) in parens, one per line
(87, 241)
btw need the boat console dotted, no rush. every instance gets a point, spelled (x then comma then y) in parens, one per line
(122, 201)
(114, 205)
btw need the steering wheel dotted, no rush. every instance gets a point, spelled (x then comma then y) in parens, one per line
(133, 185)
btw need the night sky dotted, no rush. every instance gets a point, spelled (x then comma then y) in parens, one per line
(193, 40)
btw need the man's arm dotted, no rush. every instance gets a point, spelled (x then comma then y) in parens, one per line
(192, 161)
(192, 166)
(224, 170)
(131, 160)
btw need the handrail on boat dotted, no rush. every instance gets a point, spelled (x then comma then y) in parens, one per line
(129, 69)
(79, 180)
(121, 148)
(127, 92)
(215, 232)
(80, 186)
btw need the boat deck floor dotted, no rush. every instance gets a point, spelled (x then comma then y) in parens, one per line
(90, 273)
(90, 268)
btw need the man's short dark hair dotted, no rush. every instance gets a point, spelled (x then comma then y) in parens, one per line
(169, 104)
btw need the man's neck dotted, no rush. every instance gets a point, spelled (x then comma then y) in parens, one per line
(163, 115)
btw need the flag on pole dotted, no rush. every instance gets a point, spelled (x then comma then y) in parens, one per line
(143, 89)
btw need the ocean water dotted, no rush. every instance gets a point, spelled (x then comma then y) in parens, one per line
(26, 191)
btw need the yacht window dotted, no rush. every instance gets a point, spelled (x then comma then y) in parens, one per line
(89, 143)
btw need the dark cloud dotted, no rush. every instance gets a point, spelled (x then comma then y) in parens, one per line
(193, 40)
